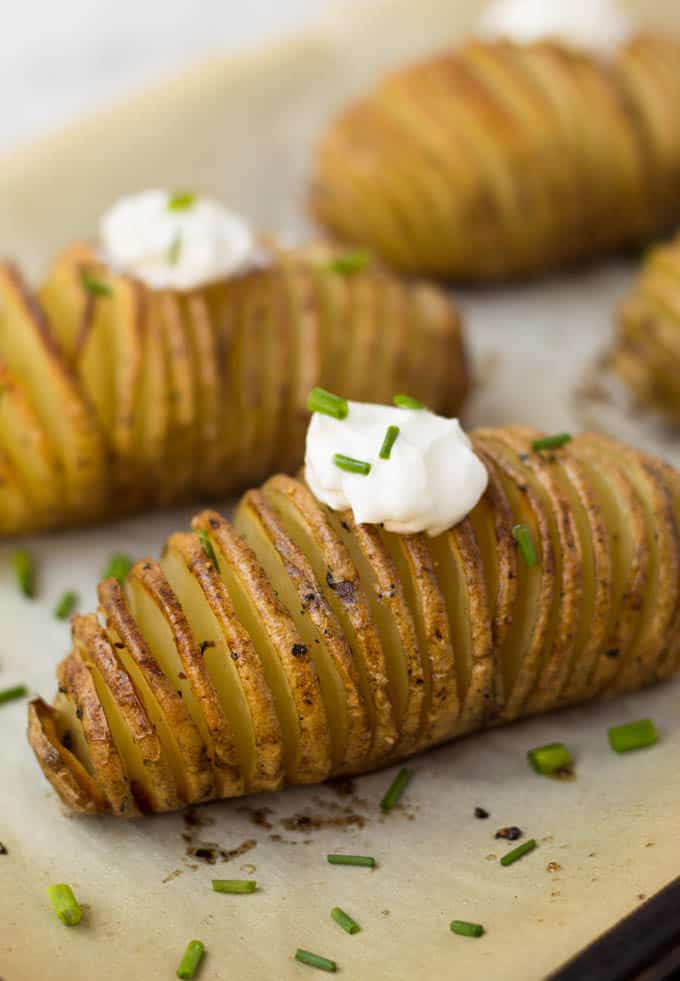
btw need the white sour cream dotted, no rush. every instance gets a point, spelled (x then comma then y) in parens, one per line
(169, 248)
(432, 480)
(598, 24)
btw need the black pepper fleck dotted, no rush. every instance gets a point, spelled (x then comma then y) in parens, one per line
(298, 650)
(510, 834)
(481, 813)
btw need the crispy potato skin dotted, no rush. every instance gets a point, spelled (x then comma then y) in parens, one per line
(118, 398)
(498, 160)
(419, 640)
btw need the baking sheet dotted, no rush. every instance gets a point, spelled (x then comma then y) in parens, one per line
(612, 831)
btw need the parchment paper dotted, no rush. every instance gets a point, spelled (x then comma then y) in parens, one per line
(244, 130)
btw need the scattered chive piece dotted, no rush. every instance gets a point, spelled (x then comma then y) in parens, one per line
(351, 465)
(11, 694)
(519, 852)
(191, 958)
(522, 536)
(388, 442)
(350, 262)
(204, 538)
(465, 929)
(396, 789)
(550, 442)
(328, 404)
(550, 758)
(181, 201)
(234, 885)
(406, 402)
(94, 285)
(66, 605)
(24, 570)
(174, 251)
(366, 861)
(632, 735)
(314, 960)
(65, 904)
(344, 920)
(118, 567)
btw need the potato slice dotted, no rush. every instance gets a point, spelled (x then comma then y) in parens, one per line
(308, 526)
(230, 658)
(183, 437)
(203, 351)
(63, 298)
(287, 666)
(166, 631)
(292, 577)
(165, 706)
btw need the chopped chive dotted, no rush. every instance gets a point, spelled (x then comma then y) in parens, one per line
(406, 402)
(465, 929)
(65, 904)
(522, 536)
(550, 442)
(328, 404)
(118, 567)
(204, 539)
(191, 958)
(632, 735)
(388, 442)
(234, 886)
(365, 861)
(519, 852)
(66, 605)
(174, 251)
(24, 570)
(350, 262)
(314, 960)
(396, 789)
(93, 285)
(11, 694)
(344, 920)
(350, 465)
(550, 758)
(181, 201)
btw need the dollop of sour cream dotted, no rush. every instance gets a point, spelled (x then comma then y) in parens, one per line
(430, 482)
(175, 241)
(598, 24)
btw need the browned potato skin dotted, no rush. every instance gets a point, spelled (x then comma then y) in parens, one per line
(498, 160)
(596, 616)
(159, 397)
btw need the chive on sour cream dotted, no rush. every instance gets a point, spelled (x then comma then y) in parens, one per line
(431, 480)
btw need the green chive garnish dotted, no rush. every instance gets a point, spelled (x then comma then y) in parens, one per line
(344, 920)
(118, 567)
(350, 262)
(633, 735)
(396, 789)
(181, 201)
(365, 861)
(174, 251)
(328, 404)
(234, 886)
(65, 904)
(351, 465)
(388, 442)
(406, 402)
(11, 694)
(522, 536)
(465, 929)
(550, 442)
(191, 958)
(519, 852)
(204, 539)
(314, 960)
(24, 570)
(550, 758)
(93, 285)
(66, 605)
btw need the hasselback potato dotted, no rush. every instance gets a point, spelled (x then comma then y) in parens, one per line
(295, 644)
(117, 397)
(500, 160)
(646, 348)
